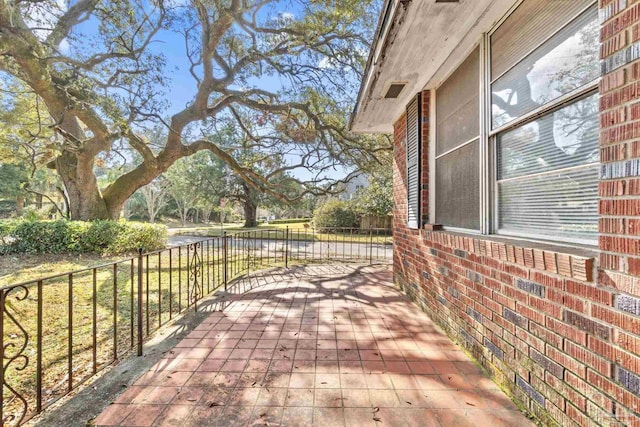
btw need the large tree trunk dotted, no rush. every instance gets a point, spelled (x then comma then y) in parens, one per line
(85, 199)
(250, 211)
(250, 208)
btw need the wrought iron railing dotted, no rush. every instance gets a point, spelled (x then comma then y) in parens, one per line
(59, 331)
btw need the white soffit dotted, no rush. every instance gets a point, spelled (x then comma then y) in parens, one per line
(424, 43)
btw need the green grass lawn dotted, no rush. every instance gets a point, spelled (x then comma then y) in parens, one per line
(299, 231)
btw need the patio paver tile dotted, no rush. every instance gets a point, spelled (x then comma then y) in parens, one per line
(321, 345)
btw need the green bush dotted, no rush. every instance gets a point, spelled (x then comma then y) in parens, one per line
(103, 237)
(289, 221)
(335, 214)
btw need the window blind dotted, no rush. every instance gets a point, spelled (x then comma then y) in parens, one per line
(527, 27)
(565, 62)
(413, 162)
(548, 174)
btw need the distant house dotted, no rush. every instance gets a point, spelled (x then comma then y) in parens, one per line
(516, 130)
(351, 187)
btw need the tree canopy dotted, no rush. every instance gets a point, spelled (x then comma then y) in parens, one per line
(282, 73)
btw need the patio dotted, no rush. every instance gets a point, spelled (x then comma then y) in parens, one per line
(314, 345)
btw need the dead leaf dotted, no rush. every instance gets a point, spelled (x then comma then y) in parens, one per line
(408, 402)
(376, 419)
(376, 409)
(470, 404)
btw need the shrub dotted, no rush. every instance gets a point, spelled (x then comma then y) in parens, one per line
(335, 213)
(103, 237)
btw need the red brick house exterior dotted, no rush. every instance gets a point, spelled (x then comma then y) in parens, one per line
(557, 327)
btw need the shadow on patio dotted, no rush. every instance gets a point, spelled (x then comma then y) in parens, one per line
(323, 345)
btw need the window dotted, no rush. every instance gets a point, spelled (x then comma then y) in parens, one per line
(527, 164)
(457, 201)
(547, 165)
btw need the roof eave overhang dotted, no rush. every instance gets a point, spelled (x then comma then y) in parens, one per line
(418, 42)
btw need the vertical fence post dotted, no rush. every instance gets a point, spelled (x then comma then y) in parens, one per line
(250, 243)
(370, 246)
(195, 272)
(225, 257)
(70, 330)
(38, 352)
(2, 303)
(140, 293)
(286, 247)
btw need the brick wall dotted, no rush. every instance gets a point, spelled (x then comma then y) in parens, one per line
(560, 332)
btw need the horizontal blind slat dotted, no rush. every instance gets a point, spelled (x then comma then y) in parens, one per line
(528, 26)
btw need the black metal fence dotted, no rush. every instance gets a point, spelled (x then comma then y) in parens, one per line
(59, 331)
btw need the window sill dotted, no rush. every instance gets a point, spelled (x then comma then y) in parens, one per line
(571, 261)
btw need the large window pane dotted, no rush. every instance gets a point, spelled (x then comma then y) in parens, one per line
(458, 106)
(528, 27)
(548, 174)
(458, 188)
(558, 205)
(565, 138)
(565, 62)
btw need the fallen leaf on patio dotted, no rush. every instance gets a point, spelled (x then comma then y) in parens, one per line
(376, 419)
(253, 384)
(212, 404)
(470, 404)
(408, 402)
(376, 409)
(191, 399)
(323, 382)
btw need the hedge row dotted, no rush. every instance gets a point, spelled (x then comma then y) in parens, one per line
(103, 237)
(289, 221)
(335, 214)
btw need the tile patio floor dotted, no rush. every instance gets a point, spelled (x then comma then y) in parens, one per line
(318, 345)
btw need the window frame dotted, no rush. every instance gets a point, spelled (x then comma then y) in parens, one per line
(433, 134)
(488, 137)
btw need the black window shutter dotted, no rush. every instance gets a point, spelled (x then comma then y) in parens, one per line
(414, 141)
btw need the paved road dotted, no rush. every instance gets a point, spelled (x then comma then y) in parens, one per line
(301, 249)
